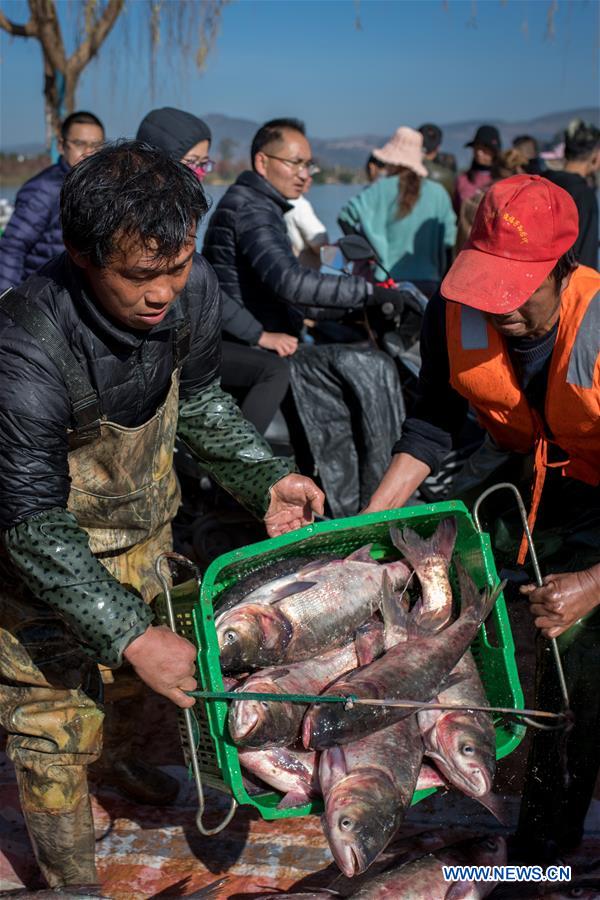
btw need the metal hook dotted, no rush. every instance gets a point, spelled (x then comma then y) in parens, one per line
(187, 713)
(534, 563)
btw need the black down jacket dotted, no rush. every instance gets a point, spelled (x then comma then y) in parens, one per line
(130, 370)
(248, 247)
(34, 234)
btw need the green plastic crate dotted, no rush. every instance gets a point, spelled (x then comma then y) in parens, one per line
(493, 652)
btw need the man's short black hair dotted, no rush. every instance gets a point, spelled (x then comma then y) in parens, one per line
(581, 140)
(524, 139)
(79, 118)
(133, 191)
(271, 132)
(432, 136)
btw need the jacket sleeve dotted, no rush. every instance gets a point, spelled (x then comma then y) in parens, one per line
(53, 557)
(439, 412)
(266, 248)
(229, 447)
(27, 224)
(239, 321)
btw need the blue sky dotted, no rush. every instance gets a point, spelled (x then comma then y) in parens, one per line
(412, 61)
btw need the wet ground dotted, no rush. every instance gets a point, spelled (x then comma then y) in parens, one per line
(148, 853)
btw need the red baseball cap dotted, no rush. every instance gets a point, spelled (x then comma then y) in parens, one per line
(523, 225)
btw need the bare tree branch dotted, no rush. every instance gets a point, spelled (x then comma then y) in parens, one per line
(48, 32)
(98, 32)
(27, 30)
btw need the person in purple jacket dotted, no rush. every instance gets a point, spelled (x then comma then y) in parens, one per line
(33, 235)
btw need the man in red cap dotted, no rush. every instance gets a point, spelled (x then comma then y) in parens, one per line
(516, 336)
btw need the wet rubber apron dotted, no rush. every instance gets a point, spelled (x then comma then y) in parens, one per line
(124, 494)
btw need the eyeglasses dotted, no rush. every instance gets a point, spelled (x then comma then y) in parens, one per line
(194, 162)
(84, 145)
(296, 165)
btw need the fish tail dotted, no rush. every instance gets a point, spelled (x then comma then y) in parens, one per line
(416, 549)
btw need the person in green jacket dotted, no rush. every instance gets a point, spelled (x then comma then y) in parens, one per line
(105, 355)
(406, 217)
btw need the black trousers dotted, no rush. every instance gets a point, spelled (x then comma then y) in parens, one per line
(257, 378)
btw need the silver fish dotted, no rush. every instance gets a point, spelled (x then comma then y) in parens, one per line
(430, 558)
(262, 723)
(368, 785)
(333, 603)
(292, 772)
(413, 670)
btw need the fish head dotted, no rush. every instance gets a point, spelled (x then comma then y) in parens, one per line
(466, 752)
(262, 723)
(322, 725)
(362, 814)
(485, 851)
(250, 636)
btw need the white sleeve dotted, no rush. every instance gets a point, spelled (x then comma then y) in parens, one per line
(308, 224)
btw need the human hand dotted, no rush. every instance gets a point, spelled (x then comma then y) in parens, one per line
(563, 599)
(166, 662)
(282, 344)
(294, 501)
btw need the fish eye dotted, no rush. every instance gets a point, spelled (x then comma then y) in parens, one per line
(230, 637)
(468, 749)
(346, 823)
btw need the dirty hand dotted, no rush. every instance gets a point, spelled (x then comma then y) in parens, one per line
(294, 501)
(282, 344)
(165, 662)
(563, 599)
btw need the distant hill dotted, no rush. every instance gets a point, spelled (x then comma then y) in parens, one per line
(352, 151)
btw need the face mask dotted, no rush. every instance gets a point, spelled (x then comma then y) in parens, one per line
(199, 172)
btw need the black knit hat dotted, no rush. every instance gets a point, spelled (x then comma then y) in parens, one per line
(488, 136)
(173, 131)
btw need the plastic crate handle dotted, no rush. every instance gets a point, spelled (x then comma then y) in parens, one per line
(187, 713)
(536, 568)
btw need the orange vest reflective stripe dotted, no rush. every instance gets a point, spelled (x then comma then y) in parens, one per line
(482, 372)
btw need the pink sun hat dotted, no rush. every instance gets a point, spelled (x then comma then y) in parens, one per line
(404, 148)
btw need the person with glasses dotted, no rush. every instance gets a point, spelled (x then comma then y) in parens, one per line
(33, 235)
(258, 379)
(248, 245)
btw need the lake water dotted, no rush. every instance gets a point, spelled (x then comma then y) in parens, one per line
(327, 200)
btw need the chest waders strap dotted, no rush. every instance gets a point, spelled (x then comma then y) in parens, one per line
(85, 403)
(182, 338)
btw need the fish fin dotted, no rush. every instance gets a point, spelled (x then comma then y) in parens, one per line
(450, 680)
(496, 804)
(297, 797)
(394, 612)
(211, 891)
(363, 554)
(369, 641)
(470, 595)
(288, 590)
(332, 767)
(428, 778)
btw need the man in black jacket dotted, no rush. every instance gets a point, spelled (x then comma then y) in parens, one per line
(104, 355)
(248, 247)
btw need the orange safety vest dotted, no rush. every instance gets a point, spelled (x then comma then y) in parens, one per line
(482, 372)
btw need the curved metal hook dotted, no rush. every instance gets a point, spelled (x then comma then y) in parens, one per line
(187, 713)
(534, 562)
